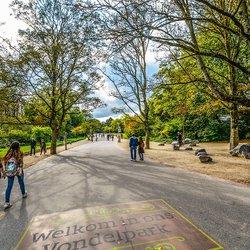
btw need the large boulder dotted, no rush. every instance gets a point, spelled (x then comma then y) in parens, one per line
(187, 140)
(241, 150)
(174, 143)
(199, 150)
(205, 158)
(247, 155)
(202, 153)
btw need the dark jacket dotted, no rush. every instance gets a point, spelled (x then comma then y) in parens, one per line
(133, 142)
(33, 143)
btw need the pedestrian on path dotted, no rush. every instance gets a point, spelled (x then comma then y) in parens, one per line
(133, 143)
(141, 148)
(33, 146)
(43, 147)
(179, 136)
(13, 166)
(1, 170)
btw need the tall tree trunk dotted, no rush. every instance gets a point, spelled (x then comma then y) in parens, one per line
(244, 8)
(147, 139)
(234, 136)
(53, 141)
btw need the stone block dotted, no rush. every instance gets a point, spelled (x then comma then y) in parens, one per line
(205, 158)
(202, 153)
(241, 150)
(199, 150)
(176, 147)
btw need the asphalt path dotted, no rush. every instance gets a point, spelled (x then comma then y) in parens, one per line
(101, 173)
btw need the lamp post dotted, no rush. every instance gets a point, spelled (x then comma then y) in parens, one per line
(119, 133)
(91, 133)
(65, 140)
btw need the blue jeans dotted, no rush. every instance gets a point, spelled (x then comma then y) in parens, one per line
(141, 155)
(10, 185)
(133, 152)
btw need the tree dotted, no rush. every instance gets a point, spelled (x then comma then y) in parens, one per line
(176, 107)
(12, 102)
(55, 58)
(220, 54)
(133, 126)
(178, 24)
(116, 124)
(227, 49)
(90, 126)
(127, 61)
(129, 77)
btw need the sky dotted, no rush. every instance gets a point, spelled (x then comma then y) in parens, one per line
(11, 24)
(10, 28)
(104, 93)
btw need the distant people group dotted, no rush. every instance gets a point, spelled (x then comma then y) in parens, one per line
(133, 144)
(110, 136)
(43, 149)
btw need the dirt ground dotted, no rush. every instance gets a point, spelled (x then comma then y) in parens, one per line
(223, 165)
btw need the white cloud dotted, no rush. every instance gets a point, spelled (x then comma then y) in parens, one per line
(11, 25)
(151, 57)
(104, 94)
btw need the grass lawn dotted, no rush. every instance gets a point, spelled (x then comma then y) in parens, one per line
(26, 148)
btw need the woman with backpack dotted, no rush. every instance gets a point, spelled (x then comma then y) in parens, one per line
(13, 166)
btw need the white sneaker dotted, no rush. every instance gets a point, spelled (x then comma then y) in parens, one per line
(25, 195)
(6, 205)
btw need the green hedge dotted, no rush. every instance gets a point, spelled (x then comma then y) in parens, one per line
(26, 148)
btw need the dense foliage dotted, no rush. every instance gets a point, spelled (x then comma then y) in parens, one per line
(202, 86)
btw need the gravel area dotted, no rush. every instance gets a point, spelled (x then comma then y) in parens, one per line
(223, 165)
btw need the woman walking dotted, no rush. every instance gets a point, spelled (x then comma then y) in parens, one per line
(141, 148)
(43, 147)
(13, 166)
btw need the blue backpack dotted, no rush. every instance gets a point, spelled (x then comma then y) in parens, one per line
(11, 167)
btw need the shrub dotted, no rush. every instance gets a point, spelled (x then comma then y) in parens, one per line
(170, 129)
(41, 133)
(18, 135)
(215, 131)
(247, 136)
